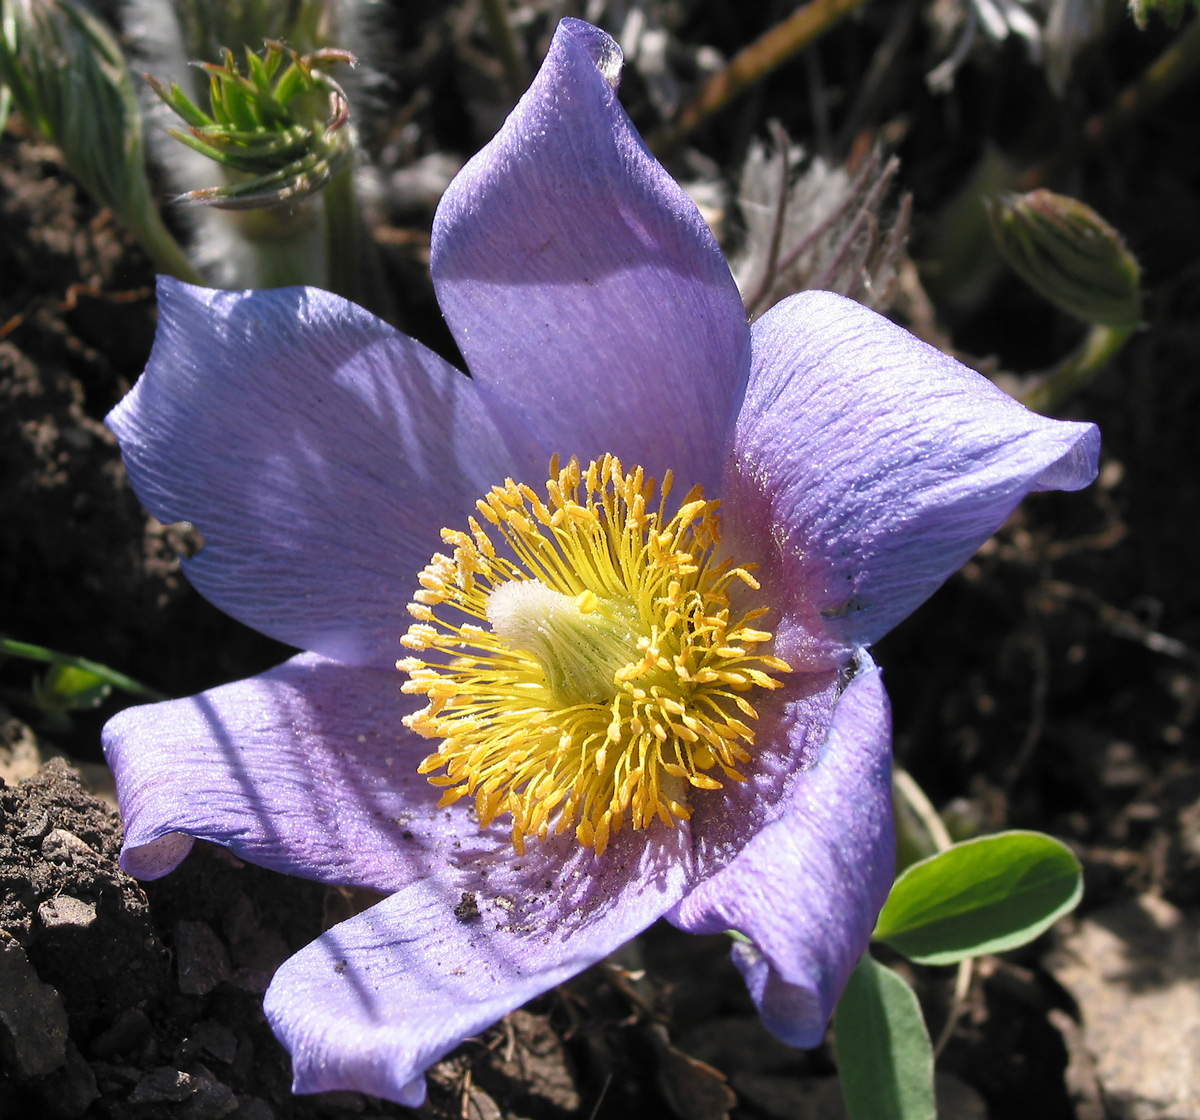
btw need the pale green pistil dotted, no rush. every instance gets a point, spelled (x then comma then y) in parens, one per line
(580, 642)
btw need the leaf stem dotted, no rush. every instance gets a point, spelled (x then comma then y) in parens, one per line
(905, 784)
(962, 987)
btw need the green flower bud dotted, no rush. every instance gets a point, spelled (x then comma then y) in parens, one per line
(1069, 254)
(281, 131)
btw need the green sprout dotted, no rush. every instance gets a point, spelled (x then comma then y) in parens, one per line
(281, 131)
(73, 682)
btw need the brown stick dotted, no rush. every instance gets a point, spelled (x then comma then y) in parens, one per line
(752, 64)
(1173, 67)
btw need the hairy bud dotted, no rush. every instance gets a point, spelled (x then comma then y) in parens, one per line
(1069, 254)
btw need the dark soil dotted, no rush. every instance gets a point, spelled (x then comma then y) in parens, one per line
(1052, 684)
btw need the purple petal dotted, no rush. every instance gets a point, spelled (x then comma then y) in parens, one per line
(793, 723)
(305, 769)
(808, 888)
(378, 999)
(582, 285)
(318, 451)
(869, 466)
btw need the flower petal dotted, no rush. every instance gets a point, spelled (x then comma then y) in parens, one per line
(808, 888)
(792, 725)
(581, 283)
(318, 451)
(375, 1001)
(305, 769)
(868, 466)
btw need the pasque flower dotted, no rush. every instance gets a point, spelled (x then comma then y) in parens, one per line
(621, 701)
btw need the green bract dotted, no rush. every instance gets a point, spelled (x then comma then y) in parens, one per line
(980, 896)
(883, 1053)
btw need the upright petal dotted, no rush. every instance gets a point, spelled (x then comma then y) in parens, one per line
(317, 450)
(582, 285)
(868, 466)
(808, 888)
(305, 769)
(378, 999)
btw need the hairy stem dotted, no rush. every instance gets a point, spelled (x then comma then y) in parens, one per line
(1062, 382)
(166, 253)
(354, 268)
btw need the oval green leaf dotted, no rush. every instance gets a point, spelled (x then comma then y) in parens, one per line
(981, 896)
(884, 1058)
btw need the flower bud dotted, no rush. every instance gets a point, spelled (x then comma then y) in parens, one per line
(281, 131)
(1069, 254)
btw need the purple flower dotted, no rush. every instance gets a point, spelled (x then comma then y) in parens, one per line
(321, 454)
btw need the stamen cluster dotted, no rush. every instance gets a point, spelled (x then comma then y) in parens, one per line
(634, 690)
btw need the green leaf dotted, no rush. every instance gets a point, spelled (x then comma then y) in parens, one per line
(883, 1053)
(176, 99)
(981, 896)
(258, 71)
(67, 688)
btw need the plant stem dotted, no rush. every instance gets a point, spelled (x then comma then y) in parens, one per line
(118, 680)
(1062, 382)
(343, 235)
(516, 76)
(163, 249)
(285, 245)
(352, 259)
(752, 64)
(905, 785)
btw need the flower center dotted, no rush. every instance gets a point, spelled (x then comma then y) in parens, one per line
(609, 681)
(580, 643)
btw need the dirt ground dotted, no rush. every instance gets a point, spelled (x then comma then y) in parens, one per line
(1052, 684)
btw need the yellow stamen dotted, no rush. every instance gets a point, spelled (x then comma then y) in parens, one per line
(609, 677)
